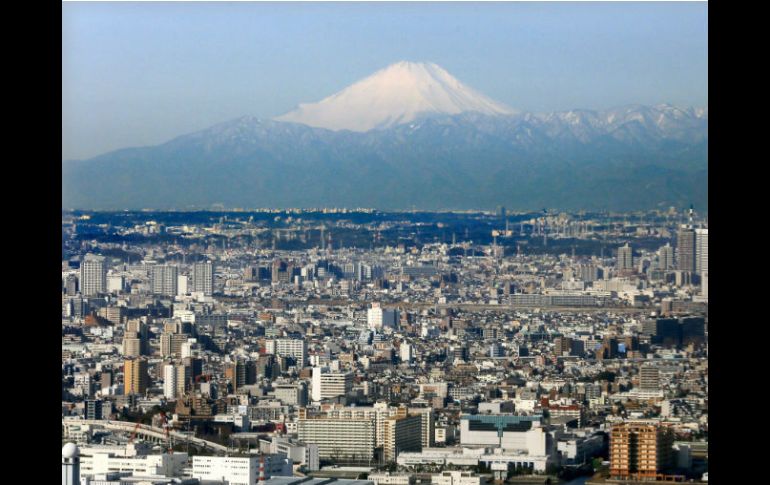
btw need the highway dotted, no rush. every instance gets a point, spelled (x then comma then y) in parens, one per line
(151, 432)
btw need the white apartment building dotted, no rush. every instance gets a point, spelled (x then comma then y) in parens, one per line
(93, 275)
(116, 283)
(405, 352)
(294, 394)
(165, 279)
(327, 385)
(339, 439)
(701, 251)
(295, 348)
(377, 317)
(96, 460)
(386, 478)
(169, 381)
(203, 278)
(182, 284)
(236, 470)
(457, 478)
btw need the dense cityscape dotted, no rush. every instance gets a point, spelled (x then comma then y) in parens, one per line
(360, 347)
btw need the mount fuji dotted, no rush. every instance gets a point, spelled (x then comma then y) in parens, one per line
(411, 135)
(397, 94)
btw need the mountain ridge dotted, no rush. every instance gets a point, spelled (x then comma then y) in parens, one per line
(623, 158)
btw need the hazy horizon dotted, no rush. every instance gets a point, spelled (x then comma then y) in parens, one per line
(137, 74)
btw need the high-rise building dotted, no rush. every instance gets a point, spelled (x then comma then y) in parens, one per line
(171, 344)
(666, 257)
(135, 377)
(685, 249)
(203, 278)
(132, 346)
(640, 450)
(562, 346)
(183, 378)
(291, 394)
(348, 440)
(625, 258)
(136, 328)
(235, 372)
(401, 433)
(169, 381)
(116, 283)
(71, 285)
(428, 425)
(106, 379)
(286, 347)
(93, 275)
(377, 317)
(165, 280)
(588, 272)
(701, 251)
(649, 378)
(327, 385)
(182, 284)
(176, 380)
(405, 352)
(94, 409)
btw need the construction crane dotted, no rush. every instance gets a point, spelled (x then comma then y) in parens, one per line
(165, 425)
(136, 429)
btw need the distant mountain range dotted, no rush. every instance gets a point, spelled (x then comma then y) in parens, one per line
(412, 136)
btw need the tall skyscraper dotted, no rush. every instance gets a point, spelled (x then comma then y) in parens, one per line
(701, 251)
(625, 258)
(135, 377)
(685, 249)
(165, 280)
(203, 278)
(666, 257)
(93, 275)
(176, 380)
(169, 381)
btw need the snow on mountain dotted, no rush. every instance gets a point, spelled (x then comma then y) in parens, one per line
(397, 94)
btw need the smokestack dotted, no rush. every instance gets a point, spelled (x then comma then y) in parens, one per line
(261, 468)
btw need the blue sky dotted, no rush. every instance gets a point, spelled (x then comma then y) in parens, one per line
(138, 74)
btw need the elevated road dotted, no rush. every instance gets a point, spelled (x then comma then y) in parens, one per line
(484, 306)
(156, 434)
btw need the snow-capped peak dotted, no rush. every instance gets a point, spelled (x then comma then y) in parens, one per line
(394, 95)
